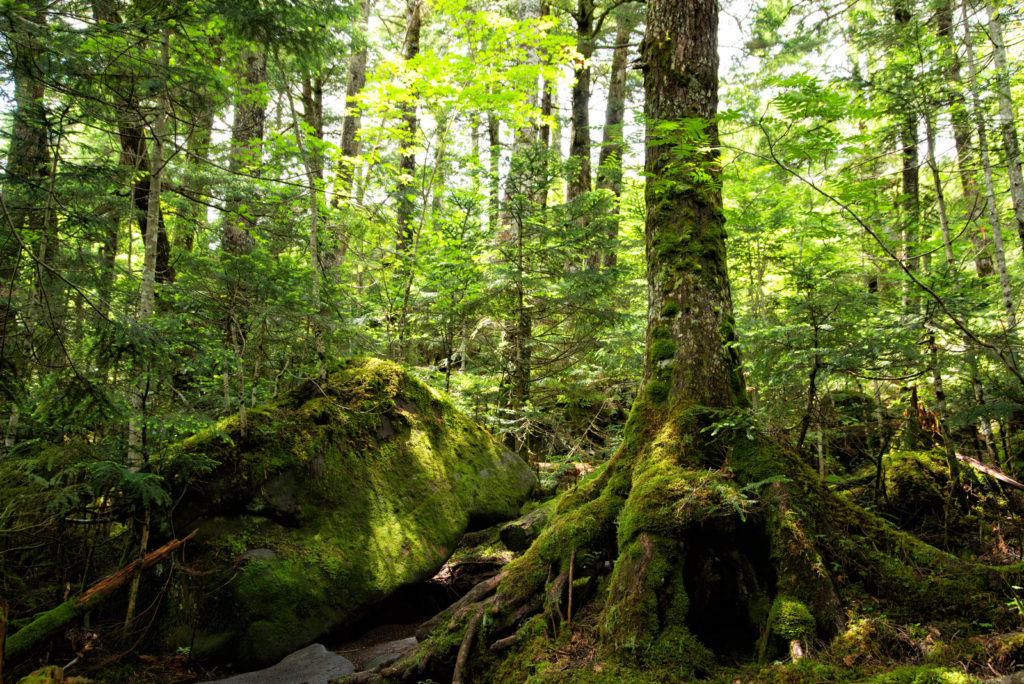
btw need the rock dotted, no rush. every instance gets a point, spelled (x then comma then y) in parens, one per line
(332, 497)
(381, 655)
(312, 665)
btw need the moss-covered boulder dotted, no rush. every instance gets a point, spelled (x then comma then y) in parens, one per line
(328, 500)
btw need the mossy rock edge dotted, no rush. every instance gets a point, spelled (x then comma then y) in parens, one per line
(332, 497)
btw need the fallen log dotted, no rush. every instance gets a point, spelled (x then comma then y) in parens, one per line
(48, 622)
(519, 534)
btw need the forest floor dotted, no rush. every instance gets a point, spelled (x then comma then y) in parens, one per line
(876, 648)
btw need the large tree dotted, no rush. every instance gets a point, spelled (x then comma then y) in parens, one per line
(719, 544)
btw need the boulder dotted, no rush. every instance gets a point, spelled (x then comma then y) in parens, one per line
(330, 498)
(311, 665)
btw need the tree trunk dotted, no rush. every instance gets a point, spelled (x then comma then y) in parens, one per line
(246, 149)
(246, 159)
(579, 146)
(962, 137)
(352, 122)
(407, 158)
(609, 168)
(24, 193)
(147, 288)
(494, 147)
(1005, 287)
(1007, 122)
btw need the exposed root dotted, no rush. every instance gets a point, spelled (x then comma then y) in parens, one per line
(553, 607)
(460, 607)
(504, 644)
(467, 644)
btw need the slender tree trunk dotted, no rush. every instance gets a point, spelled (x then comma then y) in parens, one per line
(609, 168)
(494, 145)
(352, 122)
(247, 132)
(940, 195)
(1007, 121)
(147, 289)
(1006, 289)
(197, 189)
(579, 142)
(962, 137)
(407, 160)
(311, 154)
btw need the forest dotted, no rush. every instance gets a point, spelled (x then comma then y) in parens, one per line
(507, 341)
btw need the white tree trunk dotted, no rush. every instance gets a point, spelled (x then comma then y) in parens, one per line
(1007, 125)
(147, 289)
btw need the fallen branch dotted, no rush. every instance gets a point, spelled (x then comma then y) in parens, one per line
(993, 472)
(45, 624)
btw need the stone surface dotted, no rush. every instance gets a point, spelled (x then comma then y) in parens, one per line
(311, 665)
(329, 499)
(381, 655)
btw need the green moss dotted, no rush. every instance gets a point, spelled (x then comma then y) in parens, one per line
(656, 391)
(921, 674)
(38, 629)
(51, 674)
(662, 350)
(790, 619)
(348, 489)
(670, 310)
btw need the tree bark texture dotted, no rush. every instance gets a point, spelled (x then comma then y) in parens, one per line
(962, 137)
(246, 148)
(352, 122)
(407, 160)
(1007, 121)
(609, 168)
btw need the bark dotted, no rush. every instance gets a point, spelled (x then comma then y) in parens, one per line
(147, 288)
(407, 159)
(609, 168)
(494, 146)
(352, 122)
(962, 137)
(311, 155)
(690, 327)
(1006, 288)
(952, 464)
(24, 194)
(247, 131)
(940, 195)
(1007, 122)
(197, 189)
(246, 149)
(579, 145)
